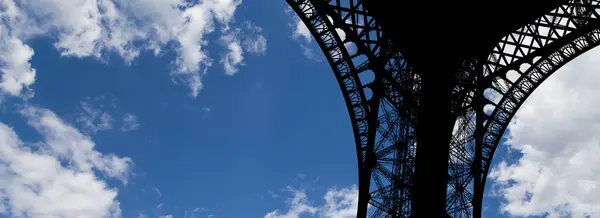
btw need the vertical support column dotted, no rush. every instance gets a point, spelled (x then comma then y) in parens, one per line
(434, 130)
(476, 170)
(364, 183)
(378, 90)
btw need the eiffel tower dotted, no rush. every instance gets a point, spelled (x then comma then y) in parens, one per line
(431, 87)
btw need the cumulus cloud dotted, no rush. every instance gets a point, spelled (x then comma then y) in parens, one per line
(131, 123)
(91, 28)
(17, 73)
(556, 132)
(56, 177)
(338, 203)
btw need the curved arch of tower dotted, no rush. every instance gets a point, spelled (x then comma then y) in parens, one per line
(456, 110)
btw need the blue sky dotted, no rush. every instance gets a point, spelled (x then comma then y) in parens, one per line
(153, 108)
(277, 125)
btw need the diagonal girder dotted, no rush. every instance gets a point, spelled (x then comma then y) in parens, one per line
(346, 72)
(392, 179)
(397, 82)
(380, 89)
(396, 138)
(571, 30)
(513, 70)
(462, 150)
(387, 145)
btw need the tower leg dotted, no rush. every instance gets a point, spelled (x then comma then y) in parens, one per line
(434, 131)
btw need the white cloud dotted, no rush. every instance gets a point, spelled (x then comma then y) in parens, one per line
(338, 203)
(94, 119)
(233, 59)
(17, 72)
(141, 215)
(56, 178)
(238, 40)
(64, 141)
(272, 194)
(301, 176)
(131, 123)
(556, 130)
(157, 191)
(193, 213)
(196, 23)
(91, 28)
(301, 33)
(254, 41)
(300, 30)
(256, 45)
(309, 52)
(298, 205)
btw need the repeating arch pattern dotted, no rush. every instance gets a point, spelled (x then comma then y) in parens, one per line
(512, 71)
(565, 33)
(386, 156)
(345, 71)
(380, 90)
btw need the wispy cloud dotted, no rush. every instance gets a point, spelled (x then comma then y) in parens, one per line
(247, 38)
(338, 203)
(233, 58)
(157, 191)
(205, 112)
(130, 123)
(93, 116)
(301, 33)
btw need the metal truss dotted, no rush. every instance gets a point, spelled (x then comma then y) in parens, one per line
(518, 64)
(380, 90)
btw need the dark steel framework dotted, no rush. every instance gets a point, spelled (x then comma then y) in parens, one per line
(381, 92)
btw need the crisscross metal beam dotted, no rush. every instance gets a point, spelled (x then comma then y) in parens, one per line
(384, 96)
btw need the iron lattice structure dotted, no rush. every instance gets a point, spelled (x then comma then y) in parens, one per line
(382, 90)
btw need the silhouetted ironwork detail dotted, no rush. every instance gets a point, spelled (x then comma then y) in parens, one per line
(382, 92)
